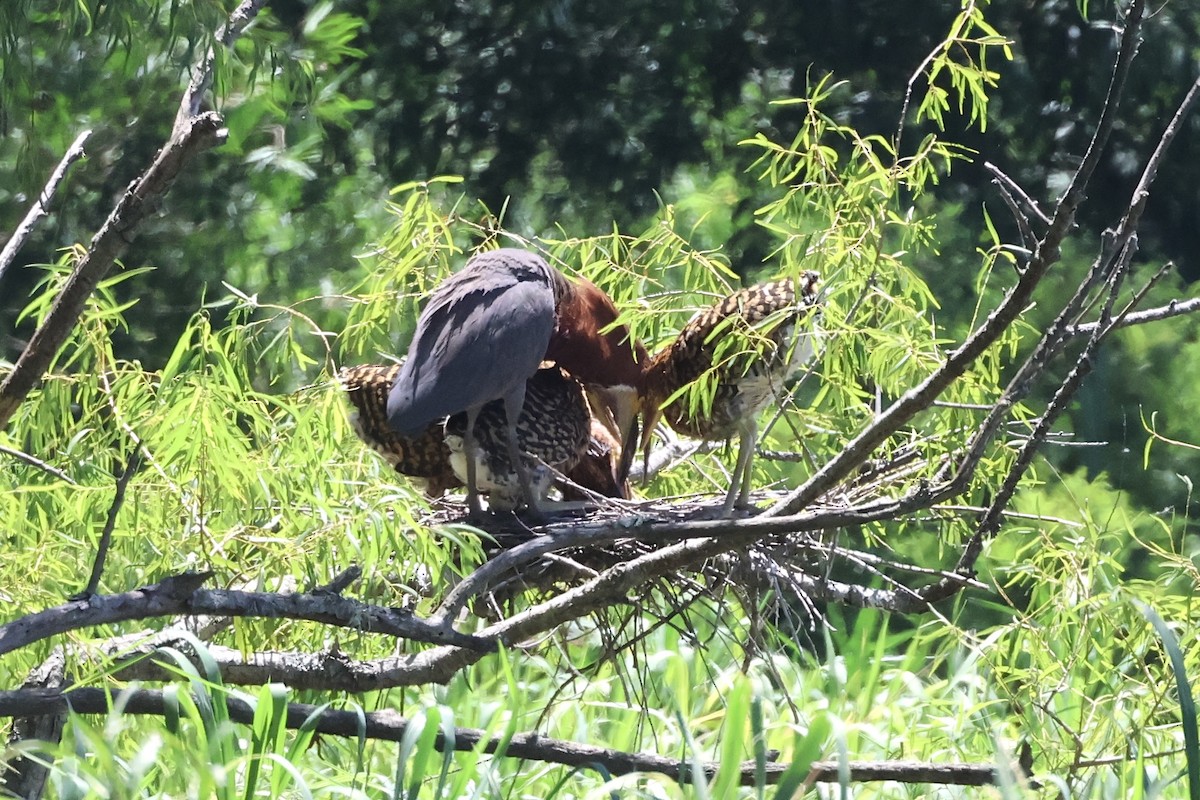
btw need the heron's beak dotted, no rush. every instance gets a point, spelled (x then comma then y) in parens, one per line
(625, 405)
(650, 418)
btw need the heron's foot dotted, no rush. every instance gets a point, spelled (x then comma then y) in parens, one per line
(533, 514)
(730, 509)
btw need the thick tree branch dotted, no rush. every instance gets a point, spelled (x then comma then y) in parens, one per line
(390, 726)
(26, 777)
(181, 595)
(41, 206)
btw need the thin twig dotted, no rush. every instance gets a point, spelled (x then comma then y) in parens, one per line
(106, 535)
(41, 206)
(1028, 237)
(1015, 190)
(1175, 308)
(33, 461)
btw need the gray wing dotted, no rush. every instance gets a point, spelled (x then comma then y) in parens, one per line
(483, 333)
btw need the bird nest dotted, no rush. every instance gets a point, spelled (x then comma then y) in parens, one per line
(769, 566)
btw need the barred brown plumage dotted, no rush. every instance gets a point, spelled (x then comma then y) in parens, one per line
(555, 428)
(481, 336)
(748, 374)
(424, 457)
(599, 468)
(485, 331)
(552, 434)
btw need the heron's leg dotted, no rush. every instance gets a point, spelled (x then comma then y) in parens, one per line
(514, 402)
(471, 450)
(738, 495)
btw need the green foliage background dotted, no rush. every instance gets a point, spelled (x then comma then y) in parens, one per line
(642, 146)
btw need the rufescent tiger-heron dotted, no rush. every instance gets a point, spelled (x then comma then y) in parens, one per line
(484, 332)
(748, 375)
(552, 435)
(548, 432)
(424, 458)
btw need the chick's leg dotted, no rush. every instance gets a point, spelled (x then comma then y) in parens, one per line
(738, 495)
(471, 451)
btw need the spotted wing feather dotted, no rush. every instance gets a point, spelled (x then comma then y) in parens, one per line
(423, 457)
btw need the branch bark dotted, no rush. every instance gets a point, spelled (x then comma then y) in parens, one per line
(193, 132)
(181, 595)
(41, 206)
(387, 725)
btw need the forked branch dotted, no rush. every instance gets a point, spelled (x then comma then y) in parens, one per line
(192, 133)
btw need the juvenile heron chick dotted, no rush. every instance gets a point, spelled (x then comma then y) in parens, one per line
(552, 434)
(483, 333)
(767, 352)
(599, 467)
(424, 458)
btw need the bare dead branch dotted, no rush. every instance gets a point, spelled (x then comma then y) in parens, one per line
(1141, 192)
(1175, 308)
(1124, 240)
(991, 520)
(990, 523)
(181, 595)
(387, 725)
(107, 246)
(192, 133)
(41, 206)
(202, 73)
(1014, 190)
(1028, 237)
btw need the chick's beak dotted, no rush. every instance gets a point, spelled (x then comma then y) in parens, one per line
(626, 405)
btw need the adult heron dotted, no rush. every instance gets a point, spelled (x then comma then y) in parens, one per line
(483, 333)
